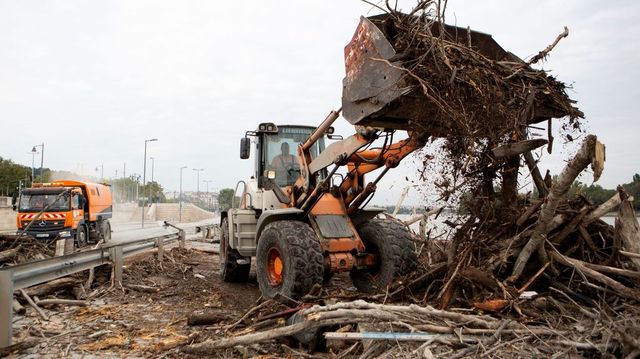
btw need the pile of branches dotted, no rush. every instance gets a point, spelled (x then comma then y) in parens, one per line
(14, 250)
(361, 329)
(542, 258)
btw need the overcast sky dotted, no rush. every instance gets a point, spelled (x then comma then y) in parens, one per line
(93, 79)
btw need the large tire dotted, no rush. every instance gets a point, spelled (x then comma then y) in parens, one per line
(106, 231)
(81, 236)
(289, 259)
(230, 269)
(392, 243)
(404, 238)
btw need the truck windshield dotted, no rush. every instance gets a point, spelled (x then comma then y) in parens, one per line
(281, 151)
(36, 202)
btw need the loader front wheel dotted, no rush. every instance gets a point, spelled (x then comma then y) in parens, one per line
(389, 243)
(231, 270)
(288, 260)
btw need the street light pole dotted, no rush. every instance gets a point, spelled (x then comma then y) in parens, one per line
(42, 163)
(34, 151)
(198, 170)
(33, 159)
(208, 195)
(180, 197)
(152, 166)
(144, 179)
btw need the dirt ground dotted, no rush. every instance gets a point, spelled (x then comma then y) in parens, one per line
(126, 322)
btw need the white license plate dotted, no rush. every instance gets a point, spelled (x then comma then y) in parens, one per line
(40, 235)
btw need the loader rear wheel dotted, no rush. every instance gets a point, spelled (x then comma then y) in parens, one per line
(389, 242)
(230, 269)
(289, 259)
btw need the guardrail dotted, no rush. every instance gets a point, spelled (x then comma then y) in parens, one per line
(27, 274)
(209, 231)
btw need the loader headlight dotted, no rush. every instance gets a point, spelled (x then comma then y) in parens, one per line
(64, 234)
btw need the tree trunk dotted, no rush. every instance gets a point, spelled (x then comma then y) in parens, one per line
(573, 168)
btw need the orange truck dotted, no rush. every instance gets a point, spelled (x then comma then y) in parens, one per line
(66, 209)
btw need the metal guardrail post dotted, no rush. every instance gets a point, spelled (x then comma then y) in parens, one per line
(116, 259)
(160, 245)
(6, 307)
(181, 238)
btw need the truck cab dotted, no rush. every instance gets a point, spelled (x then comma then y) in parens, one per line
(74, 210)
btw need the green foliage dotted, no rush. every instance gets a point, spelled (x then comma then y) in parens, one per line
(225, 198)
(154, 192)
(11, 174)
(598, 195)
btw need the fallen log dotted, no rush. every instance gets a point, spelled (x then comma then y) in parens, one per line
(543, 190)
(581, 267)
(581, 160)
(43, 302)
(34, 305)
(604, 208)
(9, 254)
(17, 347)
(206, 318)
(517, 148)
(55, 285)
(628, 230)
(142, 288)
(17, 307)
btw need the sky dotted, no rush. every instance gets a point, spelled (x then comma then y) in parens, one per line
(94, 79)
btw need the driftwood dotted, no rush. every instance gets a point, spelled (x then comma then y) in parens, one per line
(581, 160)
(604, 208)
(17, 347)
(34, 305)
(584, 269)
(628, 230)
(517, 148)
(206, 318)
(543, 190)
(142, 288)
(17, 307)
(55, 285)
(9, 254)
(43, 302)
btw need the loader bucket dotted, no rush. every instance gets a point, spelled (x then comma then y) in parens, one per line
(375, 89)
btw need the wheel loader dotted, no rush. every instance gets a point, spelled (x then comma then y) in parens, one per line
(299, 216)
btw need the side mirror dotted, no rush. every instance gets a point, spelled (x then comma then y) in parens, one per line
(81, 200)
(245, 148)
(15, 208)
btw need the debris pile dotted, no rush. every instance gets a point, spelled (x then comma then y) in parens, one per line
(527, 274)
(25, 249)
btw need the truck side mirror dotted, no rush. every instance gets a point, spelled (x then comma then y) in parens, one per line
(245, 148)
(14, 201)
(81, 200)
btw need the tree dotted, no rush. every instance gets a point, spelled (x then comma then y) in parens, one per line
(11, 174)
(225, 197)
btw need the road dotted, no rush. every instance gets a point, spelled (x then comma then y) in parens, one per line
(129, 231)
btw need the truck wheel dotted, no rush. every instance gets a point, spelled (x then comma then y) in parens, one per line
(81, 236)
(388, 241)
(106, 231)
(289, 259)
(230, 269)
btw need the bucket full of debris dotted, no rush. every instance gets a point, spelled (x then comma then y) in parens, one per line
(405, 70)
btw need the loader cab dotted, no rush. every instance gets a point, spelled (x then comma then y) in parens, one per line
(276, 150)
